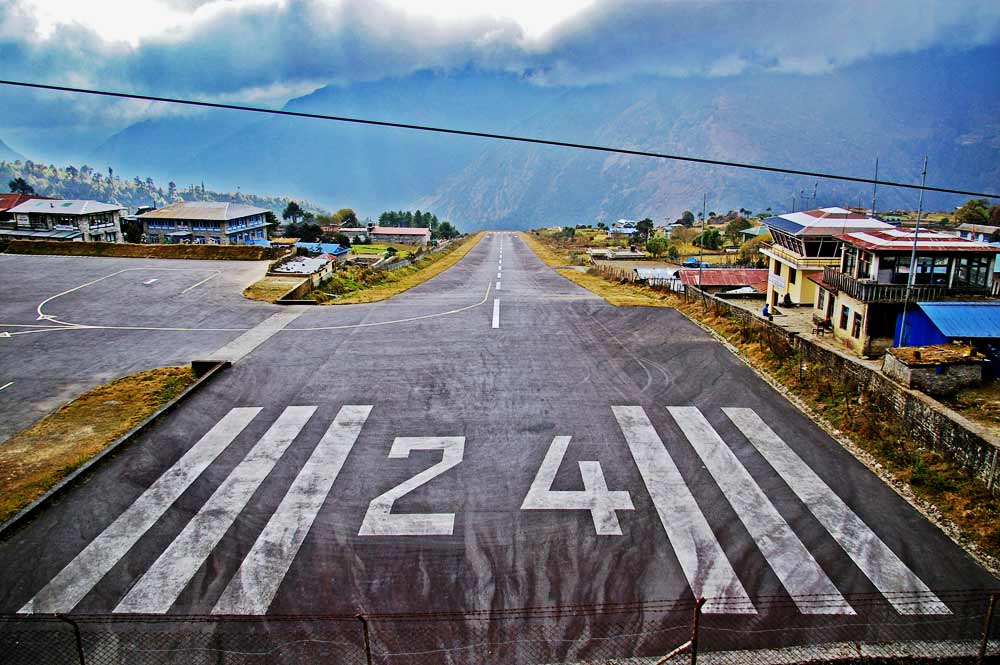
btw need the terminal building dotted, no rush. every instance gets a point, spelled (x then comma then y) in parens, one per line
(204, 223)
(63, 219)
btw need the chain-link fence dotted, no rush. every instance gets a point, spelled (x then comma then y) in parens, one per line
(909, 628)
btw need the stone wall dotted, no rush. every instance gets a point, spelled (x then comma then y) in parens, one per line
(936, 380)
(929, 423)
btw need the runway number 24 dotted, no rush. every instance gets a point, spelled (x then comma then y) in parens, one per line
(602, 503)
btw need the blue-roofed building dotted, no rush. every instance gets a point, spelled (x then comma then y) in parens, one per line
(943, 322)
(805, 242)
(331, 248)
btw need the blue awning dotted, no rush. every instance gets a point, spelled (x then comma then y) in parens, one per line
(964, 320)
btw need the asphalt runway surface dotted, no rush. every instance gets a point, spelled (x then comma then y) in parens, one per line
(495, 438)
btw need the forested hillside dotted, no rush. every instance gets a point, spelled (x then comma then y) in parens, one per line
(85, 182)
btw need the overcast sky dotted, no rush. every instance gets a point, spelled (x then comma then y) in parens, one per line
(267, 51)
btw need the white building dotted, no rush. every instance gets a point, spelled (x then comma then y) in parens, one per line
(205, 223)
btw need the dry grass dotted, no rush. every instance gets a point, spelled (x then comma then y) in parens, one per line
(980, 404)
(37, 458)
(270, 289)
(941, 484)
(385, 284)
(546, 251)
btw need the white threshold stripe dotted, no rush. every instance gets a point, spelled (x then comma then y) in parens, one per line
(709, 573)
(893, 578)
(72, 583)
(496, 313)
(798, 571)
(160, 586)
(256, 583)
(498, 288)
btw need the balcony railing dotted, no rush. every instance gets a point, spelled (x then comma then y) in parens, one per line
(871, 291)
(807, 262)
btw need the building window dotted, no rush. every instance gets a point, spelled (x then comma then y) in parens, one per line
(791, 275)
(777, 268)
(864, 265)
(850, 260)
(844, 314)
(821, 300)
(856, 327)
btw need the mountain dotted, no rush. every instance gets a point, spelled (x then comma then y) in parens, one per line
(942, 104)
(9, 154)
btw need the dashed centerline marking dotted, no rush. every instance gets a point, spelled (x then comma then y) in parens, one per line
(496, 313)
(498, 285)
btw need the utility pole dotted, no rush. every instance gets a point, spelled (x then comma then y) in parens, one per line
(701, 247)
(815, 187)
(913, 254)
(875, 188)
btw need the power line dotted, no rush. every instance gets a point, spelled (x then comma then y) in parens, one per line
(489, 135)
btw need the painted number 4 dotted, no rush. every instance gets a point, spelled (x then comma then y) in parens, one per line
(595, 497)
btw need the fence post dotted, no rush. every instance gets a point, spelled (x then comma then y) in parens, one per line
(987, 626)
(368, 640)
(76, 636)
(694, 630)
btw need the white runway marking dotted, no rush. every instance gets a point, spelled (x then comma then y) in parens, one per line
(699, 553)
(159, 587)
(150, 281)
(798, 571)
(73, 582)
(498, 285)
(886, 571)
(256, 336)
(6, 385)
(496, 313)
(595, 497)
(195, 286)
(255, 584)
(498, 274)
(379, 520)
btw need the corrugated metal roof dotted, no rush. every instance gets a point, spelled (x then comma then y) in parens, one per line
(964, 320)
(64, 207)
(824, 221)
(725, 276)
(215, 211)
(400, 230)
(927, 240)
(655, 273)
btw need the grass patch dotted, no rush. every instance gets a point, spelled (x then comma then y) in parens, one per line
(356, 284)
(980, 404)
(37, 458)
(950, 489)
(270, 288)
(548, 251)
(376, 248)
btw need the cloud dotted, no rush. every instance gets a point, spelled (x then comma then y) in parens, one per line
(263, 51)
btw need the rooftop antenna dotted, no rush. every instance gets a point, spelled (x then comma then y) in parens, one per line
(913, 254)
(793, 201)
(875, 188)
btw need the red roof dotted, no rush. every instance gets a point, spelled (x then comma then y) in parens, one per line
(896, 240)
(401, 230)
(735, 277)
(8, 201)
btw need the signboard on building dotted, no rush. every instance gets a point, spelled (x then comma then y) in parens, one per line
(777, 281)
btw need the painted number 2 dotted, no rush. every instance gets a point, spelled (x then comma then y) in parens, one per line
(380, 520)
(595, 497)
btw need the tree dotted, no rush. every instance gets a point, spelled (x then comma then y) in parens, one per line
(710, 239)
(672, 253)
(995, 215)
(973, 211)
(657, 247)
(687, 218)
(306, 231)
(345, 217)
(292, 212)
(272, 223)
(750, 254)
(644, 229)
(602, 226)
(172, 191)
(446, 230)
(20, 186)
(734, 227)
